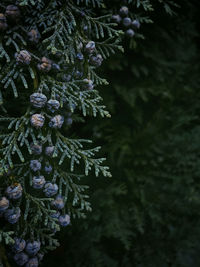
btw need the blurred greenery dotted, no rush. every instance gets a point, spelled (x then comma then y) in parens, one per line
(148, 213)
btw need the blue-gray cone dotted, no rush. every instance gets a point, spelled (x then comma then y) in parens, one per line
(58, 203)
(123, 11)
(49, 150)
(56, 122)
(48, 169)
(19, 245)
(38, 182)
(21, 258)
(127, 22)
(32, 248)
(38, 100)
(64, 220)
(50, 189)
(14, 191)
(53, 105)
(130, 33)
(35, 165)
(12, 215)
(4, 204)
(136, 24)
(90, 47)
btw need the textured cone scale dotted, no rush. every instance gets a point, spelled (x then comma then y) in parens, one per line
(14, 191)
(58, 203)
(87, 84)
(53, 105)
(32, 248)
(64, 220)
(45, 65)
(38, 100)
(48, 169)
(56, 122)
(35, 165)
(38, 182)
(21, 258)
(37, 120)
(12, 215)
(4, 204)
(96, 60)
(90, 47)
(19, 245)
(50, 189)
(23, 57)
(49, 150)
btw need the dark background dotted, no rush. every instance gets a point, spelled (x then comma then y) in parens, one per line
(147, 214)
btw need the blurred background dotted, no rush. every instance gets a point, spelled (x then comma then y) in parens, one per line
(148, 213)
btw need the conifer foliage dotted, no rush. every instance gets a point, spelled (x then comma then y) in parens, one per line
(148, 214)
(49, 52)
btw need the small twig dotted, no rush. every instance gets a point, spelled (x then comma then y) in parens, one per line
(3, 256)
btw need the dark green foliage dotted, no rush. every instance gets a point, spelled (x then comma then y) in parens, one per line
(148, 214)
